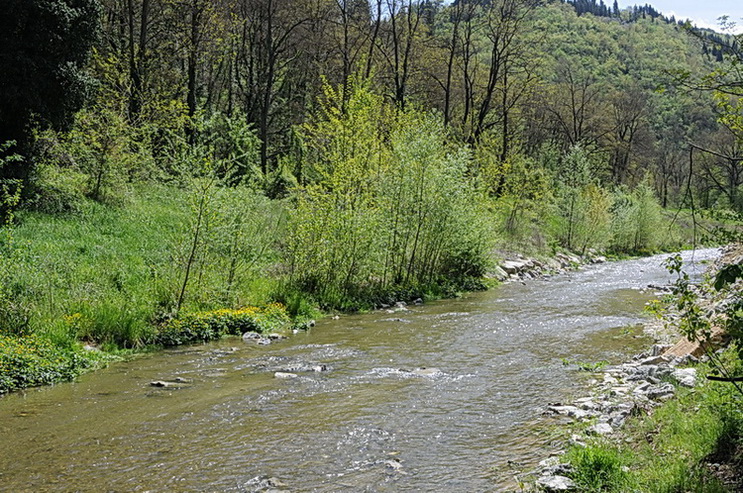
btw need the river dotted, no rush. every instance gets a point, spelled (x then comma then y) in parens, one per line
(366, 423)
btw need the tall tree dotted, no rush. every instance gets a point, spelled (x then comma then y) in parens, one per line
(44, 47)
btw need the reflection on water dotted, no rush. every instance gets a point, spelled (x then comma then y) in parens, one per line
(356, 418)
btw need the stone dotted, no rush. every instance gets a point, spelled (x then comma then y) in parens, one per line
(427, 372)
(276, 337)
(685, 376)
(556, 483)
(571, 411)
(600, 429)
(557, 469)
(285, 375)
(654, 360)
(512, 266)
(498, 273)
(661, 392)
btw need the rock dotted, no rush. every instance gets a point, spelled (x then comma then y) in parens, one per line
(556, 483)
(276, 337)
(577, 441)
(393, 464)
(661, 392)
(498, 273)
(320, 368)
(427, 372)
(571, 411)
(685, 376)
(284, 375)
(557, 470)
(654, 360)
(256, 338)
(512, 266)
(160, 383)
(418, 301)
(600, 429)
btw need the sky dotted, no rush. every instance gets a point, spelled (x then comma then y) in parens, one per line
(703, 13)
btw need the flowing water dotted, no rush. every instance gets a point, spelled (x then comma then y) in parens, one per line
(366, 423)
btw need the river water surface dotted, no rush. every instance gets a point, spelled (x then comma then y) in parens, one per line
(368, 423)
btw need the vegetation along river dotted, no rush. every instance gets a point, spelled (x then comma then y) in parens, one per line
(356, 418)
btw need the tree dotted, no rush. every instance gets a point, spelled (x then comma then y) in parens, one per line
(44, 47)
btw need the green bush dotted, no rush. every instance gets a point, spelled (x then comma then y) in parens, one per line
(389, 206)
(207, 326)
(31, 360)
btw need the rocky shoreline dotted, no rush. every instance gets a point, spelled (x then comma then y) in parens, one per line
(519, 268)
(628, 389)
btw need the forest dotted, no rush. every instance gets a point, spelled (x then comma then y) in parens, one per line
(181, 158)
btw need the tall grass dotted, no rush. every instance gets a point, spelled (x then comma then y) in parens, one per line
(113, 271)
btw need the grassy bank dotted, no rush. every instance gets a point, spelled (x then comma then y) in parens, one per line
(672, 449)
(125, 275)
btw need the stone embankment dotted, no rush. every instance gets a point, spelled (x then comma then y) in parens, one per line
(520, 268)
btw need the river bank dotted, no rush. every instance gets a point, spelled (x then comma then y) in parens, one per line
(368, 421)
(657, 402)
(27, 360)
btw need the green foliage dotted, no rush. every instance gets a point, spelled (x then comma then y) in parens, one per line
(389, 208)
(598, 469)
(207, 326)
(31, 360)
(637, 225)
(583, 206)
(43, 52)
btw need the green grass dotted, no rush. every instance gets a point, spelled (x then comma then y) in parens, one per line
(665, 451)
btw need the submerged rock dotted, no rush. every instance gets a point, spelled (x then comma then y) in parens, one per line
(427, 372)
(285, 375)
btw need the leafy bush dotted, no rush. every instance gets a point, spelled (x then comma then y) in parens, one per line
(637, 221)
(389, 207)
(30, 360)
(207, 326)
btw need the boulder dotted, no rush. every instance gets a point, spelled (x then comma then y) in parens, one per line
(661, 392)
(512, 266)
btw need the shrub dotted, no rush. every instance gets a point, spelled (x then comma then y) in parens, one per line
(30, 360)
(207, 326)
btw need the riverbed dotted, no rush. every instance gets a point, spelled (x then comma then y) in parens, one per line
(446, 396)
